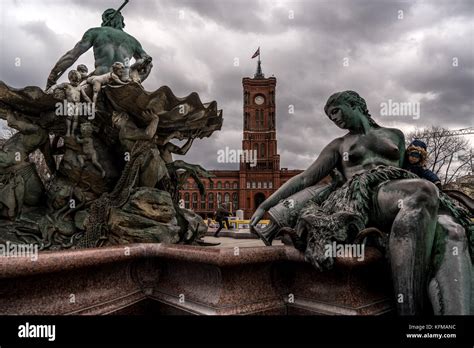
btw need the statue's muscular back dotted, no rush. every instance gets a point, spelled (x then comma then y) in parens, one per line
(111, 45)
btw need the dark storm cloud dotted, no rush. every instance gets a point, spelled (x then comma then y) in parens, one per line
(452, 85)
(240, 15)
(194, 44)
(136, 9)
(28, 52)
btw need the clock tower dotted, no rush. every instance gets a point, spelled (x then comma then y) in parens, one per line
(259, 133)
(257, 177)
(259, 138)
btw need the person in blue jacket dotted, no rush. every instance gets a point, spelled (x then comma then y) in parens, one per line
(416, 162)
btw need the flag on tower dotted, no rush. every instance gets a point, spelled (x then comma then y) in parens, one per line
(257, 53)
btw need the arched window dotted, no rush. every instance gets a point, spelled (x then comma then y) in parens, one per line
(257, 118)
(262, 150)
(203, 202)
(248, 184)
(219, 185)
(186, 200)
(255, 150)
(211, 201)
(219, 199)
(227, 185)
(211, 184)
(235, 200)
(195, 200)
(236, 185)
(227, 197)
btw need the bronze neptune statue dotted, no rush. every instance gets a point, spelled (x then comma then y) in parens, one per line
(108, 181)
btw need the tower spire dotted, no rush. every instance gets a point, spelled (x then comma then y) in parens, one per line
(259, 73)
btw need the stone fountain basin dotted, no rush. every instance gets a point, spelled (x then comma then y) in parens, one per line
(164, 279)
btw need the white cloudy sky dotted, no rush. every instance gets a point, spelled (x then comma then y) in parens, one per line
(304, 43)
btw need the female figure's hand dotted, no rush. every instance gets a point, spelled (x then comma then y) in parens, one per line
(257, 216)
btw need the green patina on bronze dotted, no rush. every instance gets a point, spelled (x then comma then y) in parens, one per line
(116, 181)
(110, 44)
(419, 226)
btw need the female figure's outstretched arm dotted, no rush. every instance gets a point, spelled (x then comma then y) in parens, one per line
(324, 164)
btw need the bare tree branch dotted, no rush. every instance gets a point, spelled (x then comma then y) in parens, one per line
(444, 152)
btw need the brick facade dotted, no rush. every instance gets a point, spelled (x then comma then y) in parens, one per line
(247, 187)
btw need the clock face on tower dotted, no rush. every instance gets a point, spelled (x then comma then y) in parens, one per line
(259, 100)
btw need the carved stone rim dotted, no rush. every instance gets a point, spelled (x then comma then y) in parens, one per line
(66, 260)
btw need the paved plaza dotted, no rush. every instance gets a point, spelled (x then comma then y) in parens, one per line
(228, 242)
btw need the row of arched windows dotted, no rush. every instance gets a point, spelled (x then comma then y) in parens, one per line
(260, 150)
(195, 201)
(259, 119)
(259, 184)
(211, 185)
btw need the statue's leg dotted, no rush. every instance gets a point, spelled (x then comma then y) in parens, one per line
(80, 159)
(68, 126)
(75, 120)
(96, 163)
(411, 206)
(153, 169)
(450, 289)
(96, 89)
